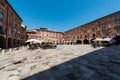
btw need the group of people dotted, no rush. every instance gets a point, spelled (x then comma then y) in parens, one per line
(95, 44)
(42, 45)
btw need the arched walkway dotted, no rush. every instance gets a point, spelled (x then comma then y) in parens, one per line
(85, 41)
(9, 42)
(78, 42)
(18, 43)
(91, 41)
(14, 43)
(2, 42)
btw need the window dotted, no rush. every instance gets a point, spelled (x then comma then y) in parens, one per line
(102, 21)
(15, 26)
(118, 31)
(117, 16)
(112, 17)
(85, 36)
(103, 25)
(118, 22)
(1, 15)
(1, 4)
(84, 31)
(10, 22)
(50, 35)
(1, 27)
(42, 35)
(104, 34)
(10, 30)
(57, 35)
(93, 29)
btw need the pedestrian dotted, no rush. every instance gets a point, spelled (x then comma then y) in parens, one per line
(94, 45)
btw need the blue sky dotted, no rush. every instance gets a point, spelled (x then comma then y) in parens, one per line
(62, 15)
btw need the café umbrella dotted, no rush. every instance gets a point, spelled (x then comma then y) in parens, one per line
(37, 41)
(33, 40)
(110, 40)
(98, 39)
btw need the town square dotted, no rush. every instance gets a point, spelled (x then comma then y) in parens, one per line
(59, 40)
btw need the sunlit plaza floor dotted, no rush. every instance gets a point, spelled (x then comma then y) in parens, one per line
(66, 62)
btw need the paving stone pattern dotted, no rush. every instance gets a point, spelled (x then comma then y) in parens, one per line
(66, 62)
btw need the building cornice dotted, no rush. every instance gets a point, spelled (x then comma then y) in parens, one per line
(13, 10)
(93, 21)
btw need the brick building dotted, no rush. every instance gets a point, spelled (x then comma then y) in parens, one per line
(11, 31)
(108, 26)
(45, 34)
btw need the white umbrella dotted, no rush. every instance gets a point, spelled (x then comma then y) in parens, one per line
(110, 40)
(30, 40)
(107, 39)
(98, 39)
(37, 41)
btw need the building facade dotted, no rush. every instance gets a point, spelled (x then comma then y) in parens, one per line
(108, 26)
(45, 34)
(11, 31)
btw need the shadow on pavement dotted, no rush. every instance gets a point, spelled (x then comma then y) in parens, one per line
(102, 64)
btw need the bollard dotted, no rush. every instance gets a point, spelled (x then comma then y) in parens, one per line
(3, 51)
(10, 50)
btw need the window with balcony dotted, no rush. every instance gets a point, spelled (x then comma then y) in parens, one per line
(102, 21)
(85, 36)
(50, 35)
(42, 35)
(118, 22)
(93, 29)
(103, 26)
(10, 22)
(1, 4)
(104, 34)
(85, 32)
(1, 27)
(118, 31)
(15, 25)
(10, 31)
(1, 15)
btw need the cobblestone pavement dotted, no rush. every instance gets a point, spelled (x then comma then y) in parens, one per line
(66, 62)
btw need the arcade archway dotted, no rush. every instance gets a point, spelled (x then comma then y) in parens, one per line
(85, 41)
(9, 42)
(2, 42)
(14, 43)
(78, 42)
